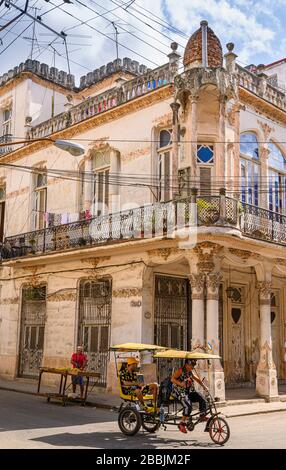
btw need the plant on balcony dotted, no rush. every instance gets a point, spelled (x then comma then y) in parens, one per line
(207, 212)
(82, 241)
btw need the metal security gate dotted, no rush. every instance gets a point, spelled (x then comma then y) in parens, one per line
(33, 317)
(94, 324)
(172, 317)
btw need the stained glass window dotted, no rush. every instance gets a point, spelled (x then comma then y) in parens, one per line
(249, 145)
(205, 153)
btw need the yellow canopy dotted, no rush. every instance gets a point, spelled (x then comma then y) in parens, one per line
(175, 353)
(129, 347)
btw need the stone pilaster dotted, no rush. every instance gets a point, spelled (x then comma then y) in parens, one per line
(197, 282)
(266, 374)
(216, 374)
(175, 137)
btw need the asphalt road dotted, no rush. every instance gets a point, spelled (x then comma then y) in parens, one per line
(29, 422)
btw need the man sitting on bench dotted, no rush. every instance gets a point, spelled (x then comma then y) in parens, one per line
(132, 386)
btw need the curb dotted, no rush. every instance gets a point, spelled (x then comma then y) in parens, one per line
(251, 413)
(116, 408)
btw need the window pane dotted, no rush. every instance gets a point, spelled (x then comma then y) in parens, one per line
(276, 158)
(94, 339)
(175, 337)
(249, 145)
(243, 180)
(165, 138)
(33, 337)
(104, 339)
(205, 181)
(205, 153)
(167, 175)
(41, 337)
(164, 336)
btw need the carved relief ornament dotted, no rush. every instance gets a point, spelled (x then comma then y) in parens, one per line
(265, 288)
(127, 292)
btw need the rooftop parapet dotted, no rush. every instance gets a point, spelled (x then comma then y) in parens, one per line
(42, 70)
(126, 65)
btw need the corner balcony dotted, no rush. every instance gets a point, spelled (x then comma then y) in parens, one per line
(152, 221)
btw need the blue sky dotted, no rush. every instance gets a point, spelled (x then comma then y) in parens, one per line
(257, 27)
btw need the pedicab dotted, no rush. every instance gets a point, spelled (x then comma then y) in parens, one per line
(132, 417)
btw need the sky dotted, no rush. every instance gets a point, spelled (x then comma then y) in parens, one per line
(145, 29)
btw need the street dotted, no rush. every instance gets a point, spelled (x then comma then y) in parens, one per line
(29, 422)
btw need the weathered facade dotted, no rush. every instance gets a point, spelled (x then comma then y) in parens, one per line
(93, 250)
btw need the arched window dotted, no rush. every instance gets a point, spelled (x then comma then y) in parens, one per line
(277, 179)
(249, 168)
(164, 164)
(249, 145)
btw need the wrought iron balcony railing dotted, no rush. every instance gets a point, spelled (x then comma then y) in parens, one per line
(7, 138)
(151, 221)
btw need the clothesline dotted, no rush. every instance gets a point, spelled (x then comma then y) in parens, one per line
(53, 219)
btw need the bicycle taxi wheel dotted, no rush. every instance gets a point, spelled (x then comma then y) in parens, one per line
(219, 430)
(129, 421)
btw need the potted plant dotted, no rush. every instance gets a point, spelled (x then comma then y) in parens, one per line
(207, 212)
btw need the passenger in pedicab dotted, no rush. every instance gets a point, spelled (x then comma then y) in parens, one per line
(131, 385)
(184, 390)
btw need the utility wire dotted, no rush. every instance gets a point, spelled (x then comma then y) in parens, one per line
(111, 39)
(121, 27)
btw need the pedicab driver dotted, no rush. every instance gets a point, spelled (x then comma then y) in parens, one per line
(184, 390)
(132, 386)
(79, 361)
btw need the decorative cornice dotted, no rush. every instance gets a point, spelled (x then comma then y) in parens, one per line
(164, 252)
(263, 106)
(128, 292)
(94, 262)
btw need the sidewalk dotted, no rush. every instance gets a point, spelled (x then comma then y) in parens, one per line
(231, 408)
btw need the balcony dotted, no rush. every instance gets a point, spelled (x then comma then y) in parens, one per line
(3, 140)
(104, 101)
(151, 221)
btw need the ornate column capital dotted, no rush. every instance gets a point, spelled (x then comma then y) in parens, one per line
(197, 282)
(264, 288)
(213, 281)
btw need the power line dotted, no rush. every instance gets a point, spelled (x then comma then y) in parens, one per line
(147, 24)
(121, 27)
(105, 35)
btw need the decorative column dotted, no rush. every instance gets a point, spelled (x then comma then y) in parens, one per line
(216, 378)
(175, 147)
(197, 282)
(221, 168)
(88, 185)
(266, 374)
(194, 134)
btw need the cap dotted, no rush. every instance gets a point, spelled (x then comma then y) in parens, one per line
(132, 360)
